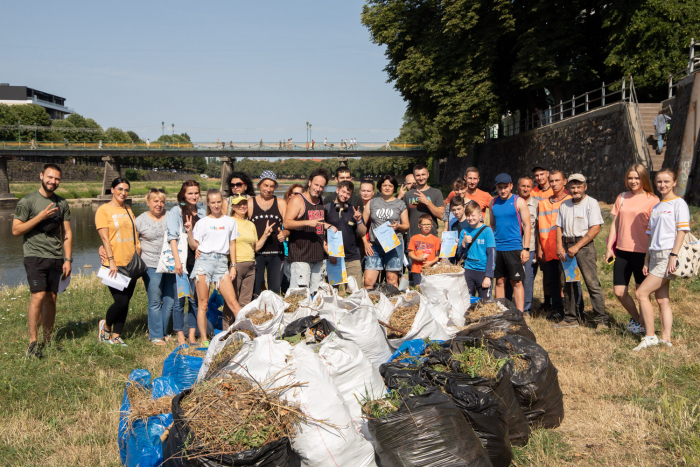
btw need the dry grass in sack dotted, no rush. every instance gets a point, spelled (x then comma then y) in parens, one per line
(378, 408)
(375, 298)
(231, 415)
(248, 333)
(192, 351)
(478, 361)
(293, 301)
(402, 319)
(481, 310)
(222, 358)
(143, 405)
(442, 268)
(260, 316)
(521, 363)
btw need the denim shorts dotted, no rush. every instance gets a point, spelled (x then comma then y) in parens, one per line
(391, 260)
(211, 265)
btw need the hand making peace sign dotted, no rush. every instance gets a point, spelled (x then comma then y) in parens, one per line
(357, 215)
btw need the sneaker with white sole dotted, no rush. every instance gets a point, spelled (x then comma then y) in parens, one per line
(647, 341)
(102, 334)
(667, 343)
(117, 341)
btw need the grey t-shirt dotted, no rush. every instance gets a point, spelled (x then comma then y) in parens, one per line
(416, 209)
(576, 219)
(381, 211)
(151, 235)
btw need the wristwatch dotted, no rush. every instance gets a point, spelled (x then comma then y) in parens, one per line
(70, 260)
(673, 254)
(233, 265)
(526, 249)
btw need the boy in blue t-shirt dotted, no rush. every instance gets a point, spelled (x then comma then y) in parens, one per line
(477, 246)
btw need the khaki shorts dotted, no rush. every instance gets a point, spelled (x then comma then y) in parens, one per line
(658, 262)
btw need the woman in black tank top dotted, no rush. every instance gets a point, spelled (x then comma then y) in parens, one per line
(266, 207)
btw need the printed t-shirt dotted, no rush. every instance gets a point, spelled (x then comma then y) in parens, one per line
(44, 240)
(481, 197)
(416, 209)
(539, 195)
(151, 236)
(215, 234)
(575, 219)
(346, 225)
(381, 211)
(420, 245)
(633, 219)
(245, 243)
(121, 231)
(476, 257)
(666, 219)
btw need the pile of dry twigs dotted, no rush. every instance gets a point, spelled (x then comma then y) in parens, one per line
(260, 316)
(293, 301)
(442, 267)
(401, 320)
(143, 405)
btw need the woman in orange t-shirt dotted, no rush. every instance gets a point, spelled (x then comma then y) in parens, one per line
(630, 219)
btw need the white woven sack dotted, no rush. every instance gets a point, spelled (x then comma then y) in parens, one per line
(271, 302)
(430, 322)
(262, 359)
(166, 261)
(383, 307)
(361, 327)
(216, 345)
(304, 308)
(352, 373)
(688, 257)
(452, 285)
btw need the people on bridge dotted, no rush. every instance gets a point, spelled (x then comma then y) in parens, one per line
(627, 241)
(388, 147)
(263, 209)
(325, 143)
(669, 223)
(385, 208)
(115, 224)
(510, 219)
(214, 239)
(578, 223)
(307, 241)
(43, 219)
(343, 216)
(525, 192)
(185, 214)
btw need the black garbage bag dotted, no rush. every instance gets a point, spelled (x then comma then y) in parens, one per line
(387, 289)
(402, 375)
(536, 387)
(486, 418)
(273, 454)
(510, 322)
(500, 388)
(427, 430)
(320, 327)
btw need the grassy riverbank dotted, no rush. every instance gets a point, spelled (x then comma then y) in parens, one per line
(622, 408)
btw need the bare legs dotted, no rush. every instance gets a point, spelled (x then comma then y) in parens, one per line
(226, 290)
(659, 286)
(625, 299)
(42, 310)
(518, 292)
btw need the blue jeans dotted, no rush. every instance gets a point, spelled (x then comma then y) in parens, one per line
(161, 295)
(660, 140)
(529, 282)
(391, 260)
(179, 309)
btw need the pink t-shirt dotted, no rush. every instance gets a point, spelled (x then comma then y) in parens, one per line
(634, 218)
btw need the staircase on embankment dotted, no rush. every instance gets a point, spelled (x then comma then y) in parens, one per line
(648, 113)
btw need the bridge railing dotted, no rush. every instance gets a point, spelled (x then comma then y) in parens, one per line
(204, 146)
(693, 67)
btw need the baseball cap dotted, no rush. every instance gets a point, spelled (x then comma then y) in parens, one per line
(539, 167)
(503, 178)
(269, 174)
(576, 178)
(238, 199)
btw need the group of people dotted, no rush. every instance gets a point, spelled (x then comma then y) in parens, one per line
(245, 242)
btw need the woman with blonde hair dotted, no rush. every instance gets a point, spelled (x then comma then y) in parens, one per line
(668, 224)
(627, 241)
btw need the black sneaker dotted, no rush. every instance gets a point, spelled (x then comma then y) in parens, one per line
(555, 317)
(34, 350)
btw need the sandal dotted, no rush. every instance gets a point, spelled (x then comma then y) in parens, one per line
(167, 338)
(159, 342)
(205, 344)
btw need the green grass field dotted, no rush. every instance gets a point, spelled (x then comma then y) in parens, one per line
(622, 408)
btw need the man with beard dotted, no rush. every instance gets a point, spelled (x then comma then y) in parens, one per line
(305, 221)
(43, 218)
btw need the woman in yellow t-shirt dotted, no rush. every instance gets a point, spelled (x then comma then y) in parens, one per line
(115, 224)
(246, 246)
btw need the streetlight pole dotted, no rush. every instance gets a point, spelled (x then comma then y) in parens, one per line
(173, 132)
(34, 131)
(162, 124)
(307, 134)
(310, 138)
(19, 132)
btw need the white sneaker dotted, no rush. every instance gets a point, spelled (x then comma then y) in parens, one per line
(661, 341)
(647, 341)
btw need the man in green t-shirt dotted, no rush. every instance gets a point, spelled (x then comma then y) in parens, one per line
(43, 218)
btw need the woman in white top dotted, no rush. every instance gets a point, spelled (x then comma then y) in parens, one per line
(213, 238)
(668, 224)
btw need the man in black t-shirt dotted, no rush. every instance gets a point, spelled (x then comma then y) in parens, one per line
(346, 218)
(342, 174)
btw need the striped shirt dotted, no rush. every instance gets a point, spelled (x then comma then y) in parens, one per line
(306, 243)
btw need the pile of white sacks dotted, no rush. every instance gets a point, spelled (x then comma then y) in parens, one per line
(338, 372)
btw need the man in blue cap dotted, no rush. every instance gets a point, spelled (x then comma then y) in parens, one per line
(510, 220)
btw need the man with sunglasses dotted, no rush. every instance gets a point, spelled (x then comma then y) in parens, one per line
(342, 174)
(43, 218)
(347, 219)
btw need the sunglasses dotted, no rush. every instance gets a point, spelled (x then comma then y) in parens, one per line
(120, 190)
(237, 185)
(157, 190)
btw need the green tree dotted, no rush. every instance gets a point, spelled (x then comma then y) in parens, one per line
(134, 137)
(411, 130)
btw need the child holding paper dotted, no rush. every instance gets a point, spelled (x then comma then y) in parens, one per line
(424, 248)
(477, 246)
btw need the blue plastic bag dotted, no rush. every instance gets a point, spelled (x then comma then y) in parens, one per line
(214, 315)
(142, 377)
(414, 348)
(183, 369)
(474, 299)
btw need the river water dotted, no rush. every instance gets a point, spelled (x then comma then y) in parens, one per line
(86, 241)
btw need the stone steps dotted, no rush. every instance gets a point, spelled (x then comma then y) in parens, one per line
(648, 113)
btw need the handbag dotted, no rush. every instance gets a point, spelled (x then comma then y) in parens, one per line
(688, 257)
(136, 267)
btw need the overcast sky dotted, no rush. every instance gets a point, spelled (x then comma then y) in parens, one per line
(233, 70)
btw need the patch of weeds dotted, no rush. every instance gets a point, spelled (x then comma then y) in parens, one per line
(544, 446)
(679, 419)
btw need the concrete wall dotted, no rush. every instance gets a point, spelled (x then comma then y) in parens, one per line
(597, 144)
(19, 171)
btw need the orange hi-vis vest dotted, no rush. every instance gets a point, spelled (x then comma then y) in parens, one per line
(547, 212)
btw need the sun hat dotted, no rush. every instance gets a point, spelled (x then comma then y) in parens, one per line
(238, 199)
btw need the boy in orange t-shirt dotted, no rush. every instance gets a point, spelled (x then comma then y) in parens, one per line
(423, 248)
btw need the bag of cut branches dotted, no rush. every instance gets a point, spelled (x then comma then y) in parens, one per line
(222, 348)
(535, 380)
(486, 418)
(447, 280)
(417, 318)
(297, 305)
(310, 329)
(423, 429)
(360, 326)
(470, 362)
(231, 421)
(183, 365)
(490, 319)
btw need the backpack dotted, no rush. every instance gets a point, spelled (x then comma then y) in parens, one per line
(688, 257)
